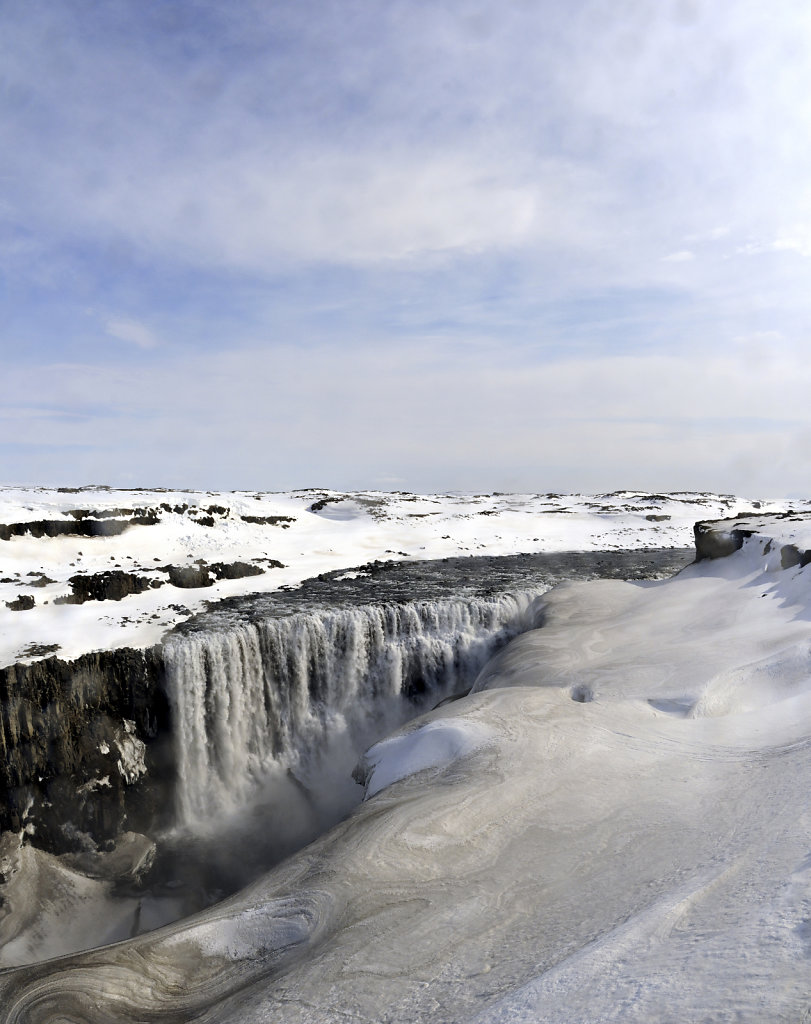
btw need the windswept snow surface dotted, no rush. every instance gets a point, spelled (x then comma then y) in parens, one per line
(613, 827)
(143, 533)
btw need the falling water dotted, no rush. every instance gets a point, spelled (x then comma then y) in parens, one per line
(272, 698)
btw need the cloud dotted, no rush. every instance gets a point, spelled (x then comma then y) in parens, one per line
(420, 131)
(131, 331)
(458, 212)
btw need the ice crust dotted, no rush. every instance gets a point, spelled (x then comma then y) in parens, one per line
(612, 827)
(436, 744)
(309, 532)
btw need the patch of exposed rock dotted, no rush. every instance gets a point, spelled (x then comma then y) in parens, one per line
(112, 585)
(717, 539)
(85, 748)
(96, 527)
(283, 521)
(188, 577)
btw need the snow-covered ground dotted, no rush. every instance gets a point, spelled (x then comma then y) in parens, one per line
(109, 541)
(612, 827)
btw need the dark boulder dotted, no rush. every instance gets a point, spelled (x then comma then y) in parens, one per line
(189, 577)
(112, 585)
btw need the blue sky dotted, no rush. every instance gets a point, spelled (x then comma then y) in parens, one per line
(448, 245)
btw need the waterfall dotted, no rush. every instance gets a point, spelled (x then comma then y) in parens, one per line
(279, 697)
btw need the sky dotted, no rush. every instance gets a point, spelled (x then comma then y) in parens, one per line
(520, 245)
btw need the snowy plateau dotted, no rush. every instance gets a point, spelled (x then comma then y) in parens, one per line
(321, 756)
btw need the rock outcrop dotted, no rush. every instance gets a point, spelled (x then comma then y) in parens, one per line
(719, 538)
(106, 586)
(85, 750)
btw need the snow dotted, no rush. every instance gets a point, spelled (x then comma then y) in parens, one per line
(612, 827)
(436, 744)
(310, 532)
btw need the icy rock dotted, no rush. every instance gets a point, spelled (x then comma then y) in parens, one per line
(129, 859)
(11, 844)
(132, 761)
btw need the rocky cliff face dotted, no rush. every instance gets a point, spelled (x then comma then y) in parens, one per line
(85, 748)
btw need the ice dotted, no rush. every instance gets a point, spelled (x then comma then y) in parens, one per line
(435, 744)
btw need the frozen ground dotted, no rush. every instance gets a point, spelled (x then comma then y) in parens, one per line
(156, 557)
(612, 827)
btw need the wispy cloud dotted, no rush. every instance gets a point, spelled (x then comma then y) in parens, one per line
(416, 131)
(132, 332)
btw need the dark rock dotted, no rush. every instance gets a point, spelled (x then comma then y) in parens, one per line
(283, 521)
(102, 513)
(317, 506)
(22, 604)
(717, 539)
(791, 556)
(41, 581)
(377, 566)
(39, 650)
(106, 586)
(114, 513)
(70, 528)
(713, 540)
(83, 489)
(65, 728)
(238, 570)
(146, 519)
(189, 577)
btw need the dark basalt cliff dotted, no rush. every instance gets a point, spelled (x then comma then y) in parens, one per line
(85, 751)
